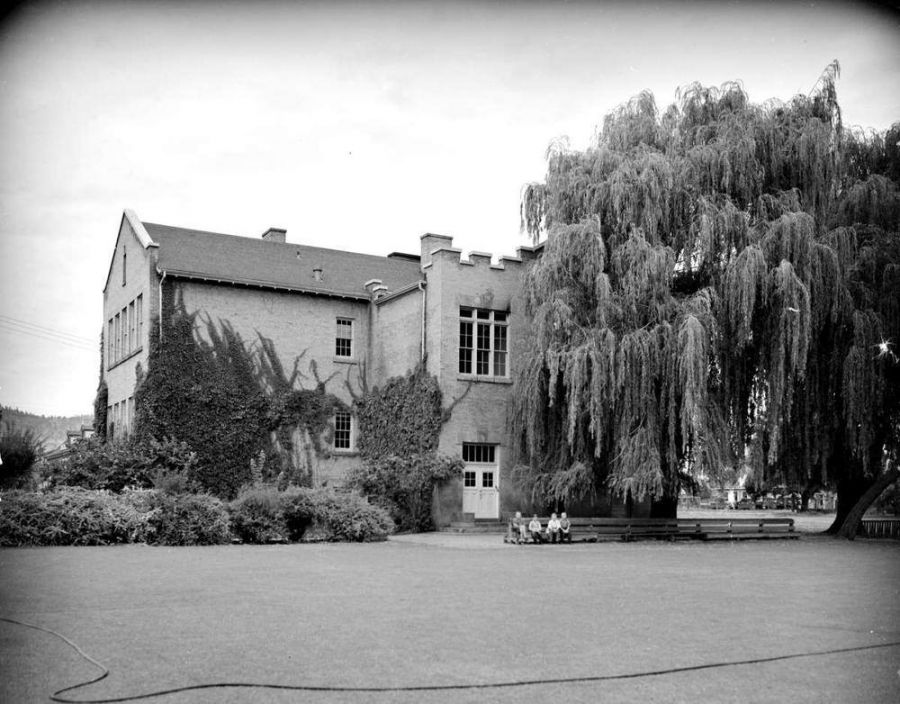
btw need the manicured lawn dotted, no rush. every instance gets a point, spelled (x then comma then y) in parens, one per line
(444, 610)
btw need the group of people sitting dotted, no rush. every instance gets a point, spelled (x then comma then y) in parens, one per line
(559, 530)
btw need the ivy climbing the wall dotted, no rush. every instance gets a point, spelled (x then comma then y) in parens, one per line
(402, 418)
(230, 404)
(399, 428)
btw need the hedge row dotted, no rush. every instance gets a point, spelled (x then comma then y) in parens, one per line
(76, 516)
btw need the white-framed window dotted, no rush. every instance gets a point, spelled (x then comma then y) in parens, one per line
(481, 452)
(343, 340)
(483, 342)
(343, 430)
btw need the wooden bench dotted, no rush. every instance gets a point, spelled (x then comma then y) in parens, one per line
(738, 528)
(628, 529)
(880, 527)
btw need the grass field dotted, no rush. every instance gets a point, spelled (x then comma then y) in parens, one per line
(439, 609)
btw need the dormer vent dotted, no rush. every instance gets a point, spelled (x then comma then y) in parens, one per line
(317, 273)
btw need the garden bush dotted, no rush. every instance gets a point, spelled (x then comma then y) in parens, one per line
(262, 514)
(69, 516)
(256, 514)
(188, 519)
(404, 486)
(78, 516)
(322, 514)
(113, 466)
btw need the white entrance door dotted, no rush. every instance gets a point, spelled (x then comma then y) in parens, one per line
(481, 483)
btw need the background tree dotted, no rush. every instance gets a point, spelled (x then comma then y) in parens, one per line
(721, 278)
(19, 450)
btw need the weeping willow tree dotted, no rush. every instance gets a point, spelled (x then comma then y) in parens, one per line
(719, 284)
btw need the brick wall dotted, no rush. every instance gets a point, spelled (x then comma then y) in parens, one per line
(480, 413)
(396, 336)
(300, 326)
(140, 279)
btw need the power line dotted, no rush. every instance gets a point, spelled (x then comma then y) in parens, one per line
(4, 325)
(41, 328)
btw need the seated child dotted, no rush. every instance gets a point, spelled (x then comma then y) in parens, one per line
(553, 528)
(519, 533)
(565, 528)
(534, 528)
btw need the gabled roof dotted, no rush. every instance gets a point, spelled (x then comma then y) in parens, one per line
(257, 262)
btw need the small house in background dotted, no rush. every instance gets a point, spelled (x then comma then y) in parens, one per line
(362, 319)
(85, 432)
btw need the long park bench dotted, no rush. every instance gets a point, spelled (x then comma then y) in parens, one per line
(627, 529)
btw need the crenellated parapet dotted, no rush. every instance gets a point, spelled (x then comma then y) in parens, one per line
(439, 248)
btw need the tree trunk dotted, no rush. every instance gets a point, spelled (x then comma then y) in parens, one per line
(849, 492)
(850, 527)
(666, 507)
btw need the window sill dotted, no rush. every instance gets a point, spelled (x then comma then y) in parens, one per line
(135, 353)
(484, 379)
(344, 453)
(344, 360)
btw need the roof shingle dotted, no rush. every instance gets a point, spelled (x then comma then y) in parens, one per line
(256, 262)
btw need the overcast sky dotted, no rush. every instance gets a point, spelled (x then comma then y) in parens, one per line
(356, 126)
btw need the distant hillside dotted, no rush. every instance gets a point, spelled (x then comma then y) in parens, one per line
(50, 429)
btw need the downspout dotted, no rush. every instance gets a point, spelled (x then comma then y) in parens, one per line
(161, 279)
(421, 287)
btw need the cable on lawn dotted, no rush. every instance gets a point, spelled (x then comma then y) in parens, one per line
(57, 695)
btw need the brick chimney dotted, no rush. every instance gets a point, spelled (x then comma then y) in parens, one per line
(431, 242)
(274, 234)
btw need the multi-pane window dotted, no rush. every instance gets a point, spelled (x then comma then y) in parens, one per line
(479, 452)
(470, 479)
(126, 324)
(343, 342)
(139, 316)
(487, 480)
(342, 428)
(124, 331)
(482, 342)
(132, 343)
(118, 327)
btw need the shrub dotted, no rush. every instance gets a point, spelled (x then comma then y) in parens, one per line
(325, 515)
(404, 486)
(112, 466)
(188, 519)
(256, 514)
(69, 516)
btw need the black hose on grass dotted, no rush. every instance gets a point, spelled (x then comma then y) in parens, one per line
(56, 696)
